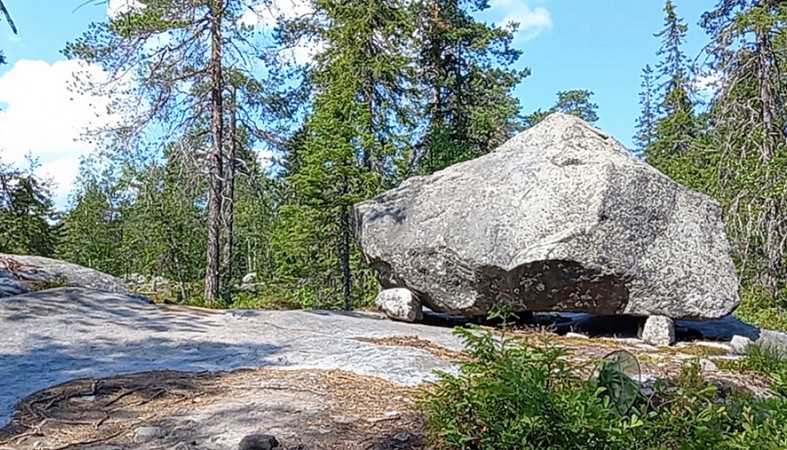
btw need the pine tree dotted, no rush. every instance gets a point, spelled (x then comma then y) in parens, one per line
(646, 122)
(748, 122)
(181, 54)
(466, 68)
(676, 128)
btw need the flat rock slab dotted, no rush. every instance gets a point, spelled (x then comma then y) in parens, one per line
(57, 335)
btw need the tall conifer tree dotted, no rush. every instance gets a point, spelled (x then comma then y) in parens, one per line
(676, 127)
(646, 122)
(748, 125)
(467, 71)
(352, 142)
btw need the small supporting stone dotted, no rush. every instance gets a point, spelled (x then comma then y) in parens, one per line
(740, 344)
(658, 330)
(400, 304)
(259, 442)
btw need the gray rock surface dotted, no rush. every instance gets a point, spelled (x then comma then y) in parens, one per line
(399, 304)
(9, 285)
(58, 335)
(145, 434)
(560, 218)
(739, 344)
(259, 442)
(37, 272)
(658, 330)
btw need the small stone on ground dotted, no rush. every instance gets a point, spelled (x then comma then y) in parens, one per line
(659, 331)
(400, 304)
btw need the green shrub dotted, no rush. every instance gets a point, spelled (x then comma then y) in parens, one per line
(767, 361)
(758, 308)
(517, 395)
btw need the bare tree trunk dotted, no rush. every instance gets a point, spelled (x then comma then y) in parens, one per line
(773, 212)
(344, 254)
(212, 278)
(229, 190)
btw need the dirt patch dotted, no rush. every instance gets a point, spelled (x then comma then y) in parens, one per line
(307, 409)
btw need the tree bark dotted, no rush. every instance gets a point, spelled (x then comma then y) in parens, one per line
(215, 157)
(344, 254)
(774, 229)
(229, 189)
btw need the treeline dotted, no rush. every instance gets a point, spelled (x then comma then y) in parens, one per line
(730, 142)
(398, 88)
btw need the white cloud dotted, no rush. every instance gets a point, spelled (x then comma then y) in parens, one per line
(265, 158)
(42, 117)
(266, 15)
(532, 21)
(706, 84)
(117, 7)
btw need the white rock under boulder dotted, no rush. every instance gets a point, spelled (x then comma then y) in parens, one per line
(740, 344)
(399, 304)
(658, 330)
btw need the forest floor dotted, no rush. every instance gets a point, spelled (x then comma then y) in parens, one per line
(314, 409)
(82, 369)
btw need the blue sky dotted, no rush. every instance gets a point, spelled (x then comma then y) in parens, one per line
(599, 45)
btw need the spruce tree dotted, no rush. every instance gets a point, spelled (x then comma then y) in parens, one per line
(26, 213)
(91, 232)
(466, 68)
(676, 128)
(748, 121)
(646, 122)
(355, 136)
(575, 102)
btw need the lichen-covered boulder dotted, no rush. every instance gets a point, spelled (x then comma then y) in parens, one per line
(35, 273)
(560, 218)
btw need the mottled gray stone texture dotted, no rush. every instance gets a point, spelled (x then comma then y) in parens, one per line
(560, 218)
(399, 304)
(659, 330)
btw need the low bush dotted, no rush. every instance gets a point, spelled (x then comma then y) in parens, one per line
(759, 308)
(524, 395)
(769, 362)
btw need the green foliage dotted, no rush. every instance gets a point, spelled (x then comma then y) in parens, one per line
(465, 70)
(26, 213)
(760, 308)
(520, 395)
(575, 102)
(770, 362)
(747, 121)
(347, 152)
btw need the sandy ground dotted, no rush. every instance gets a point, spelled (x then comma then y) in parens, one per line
(308, 409)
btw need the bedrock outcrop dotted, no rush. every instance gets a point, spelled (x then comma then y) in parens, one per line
(559, 218)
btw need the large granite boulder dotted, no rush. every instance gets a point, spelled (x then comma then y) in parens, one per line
(560, 218)
(34, 273)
